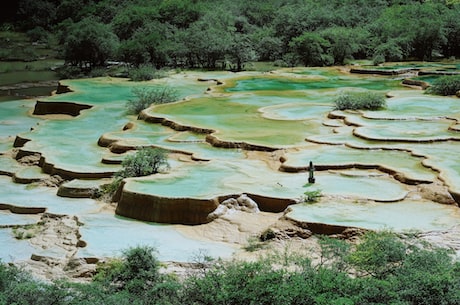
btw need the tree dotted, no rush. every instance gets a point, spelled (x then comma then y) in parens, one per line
(134, 52)
(89, 42)
(138, 264)
(345, 42)
(146, 161)
(266, 44)
(291, 21)
(180, 13)
(133, 18)
(69, 9)
(451, 46)
(240, 51)
(417, 28)
(390, 50)
(146, 97)
(311, 49)
(33, 13)
(155, 37)
(209, 44)
(135, 277)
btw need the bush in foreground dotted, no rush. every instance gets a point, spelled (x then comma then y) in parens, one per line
(354, 100)
(445, 85)
(380, 269)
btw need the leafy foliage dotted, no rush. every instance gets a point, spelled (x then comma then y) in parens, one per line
(389, 271)
(143, 73)
(311, 196)
(146, 161)
(379, 254)
(148, 96)
(138, 267)
(354, 100)
(311, 48)
(445, 85)
(227, 34)
(88, 42)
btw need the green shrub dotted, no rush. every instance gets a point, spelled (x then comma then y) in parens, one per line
(147, 96)
(364, 100)
(378, 59)
(146, 161)
(98, 72)
(26, 231)
(18, 234)
(311, 196)
(445, 85)
(254, 244)
(380, 269)
(110, 189)
(144, 73)
(69, 72)
(379, 254)
(38, 34)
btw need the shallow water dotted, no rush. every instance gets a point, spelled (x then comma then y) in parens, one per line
(14, 118)
(108, 235)
(398, 216)
(13, 250)
(284, 110)
(29, 195)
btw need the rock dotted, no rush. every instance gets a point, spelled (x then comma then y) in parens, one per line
(436, 193)
(52, 181)
(246, 204)
(220, 211)
(74, 263)
(458, 93)
(30, 160)
(448, 239)
(242, 203)
(285, 229)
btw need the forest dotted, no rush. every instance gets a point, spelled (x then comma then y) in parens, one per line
(227, 34)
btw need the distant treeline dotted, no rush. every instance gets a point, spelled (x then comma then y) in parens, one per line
(228, 33)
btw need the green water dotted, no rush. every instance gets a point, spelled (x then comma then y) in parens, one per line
(108, 235)
(267, 84)
(393, 160)
(14, 118)
(216, 179)
(421, 107)
(397, 216)
(283, 110)
(416, 65)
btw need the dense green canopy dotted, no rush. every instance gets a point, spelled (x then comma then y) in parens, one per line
(229, 33)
